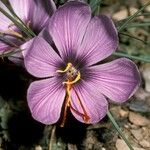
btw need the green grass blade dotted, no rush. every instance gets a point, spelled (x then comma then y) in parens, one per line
(130, 18)
(10, 53)
(119, 130)
(6, 40)
(121, 22)
(131, 36)
(95, 5)
(134, 25)
(120, 54)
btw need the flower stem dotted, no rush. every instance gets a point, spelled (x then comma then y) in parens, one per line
(52, 138)
(118, 129)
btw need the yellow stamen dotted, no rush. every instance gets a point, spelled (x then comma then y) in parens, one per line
(12, 32)
(73, 76)
(75, 80)
(69, 65)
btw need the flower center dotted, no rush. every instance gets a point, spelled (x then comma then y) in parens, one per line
(73, 76)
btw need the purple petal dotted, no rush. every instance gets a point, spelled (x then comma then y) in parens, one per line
(4, 47)
(40, 12)
(118, 80)
(17, 57)
(4, 21)
(40, 59)
(93, 101)
(8, 43)
(68, 25)
(100, 40)
(21, 8)
(46, 36)
(45, 100)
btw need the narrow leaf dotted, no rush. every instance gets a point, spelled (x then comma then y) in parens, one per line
(130, 18)
(118, 129)
(95, 4)
(131, 36)
(120, 54)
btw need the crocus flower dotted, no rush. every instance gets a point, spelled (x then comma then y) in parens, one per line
(70, 76)
(34, 13)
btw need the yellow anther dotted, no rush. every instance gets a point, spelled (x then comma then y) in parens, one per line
(75, 80)
(12, 32)
(69, 65)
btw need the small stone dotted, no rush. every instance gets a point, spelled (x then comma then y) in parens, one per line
(136, 148)
(121, 145)
(141, 94)
(72, 146)
(144, 2)
(127, 126)
(123, 13)
(137, 119)
(115, 111)
(146, 76)
(144, 144)
(133, 126)
(137, 134)
(146, 133)
(139, 106)
(123, 113)
(38, 147)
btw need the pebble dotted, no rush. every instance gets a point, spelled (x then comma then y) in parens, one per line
(121, 145)
(146, 76)
(144, 144)
(144, 2)
(115, 111)
(141, 94)
(72, 146)
(138, 120)
(123, 113)
(123, 14)
(38, 147)
(137, 134)
(139, 106)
